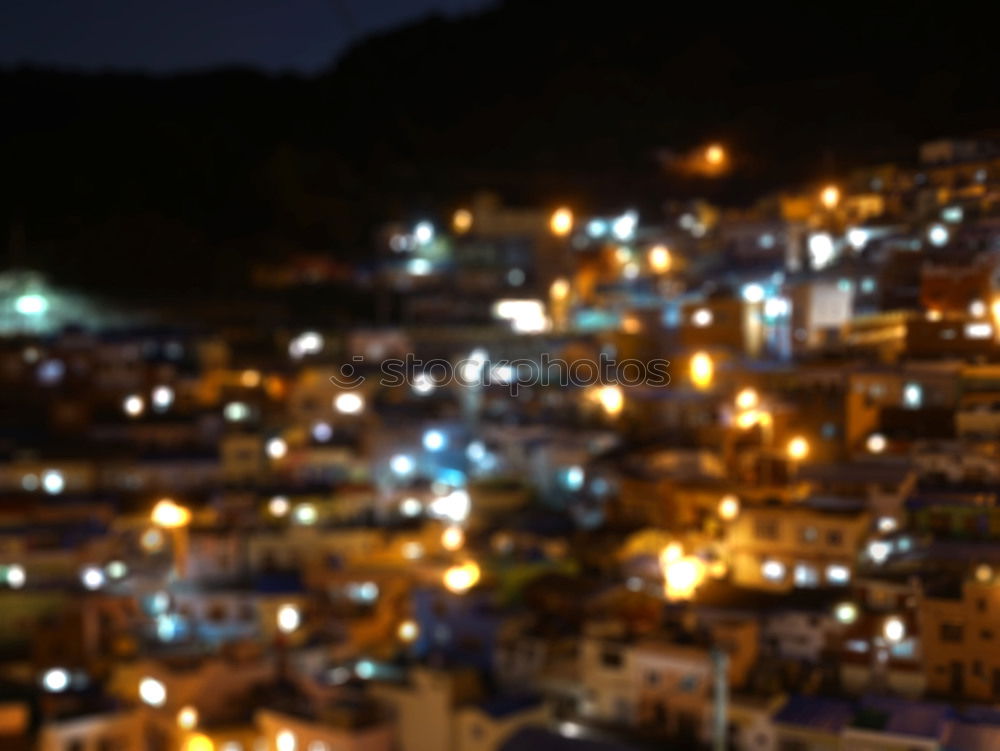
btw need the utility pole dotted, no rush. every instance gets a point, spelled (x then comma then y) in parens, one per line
(720, 707)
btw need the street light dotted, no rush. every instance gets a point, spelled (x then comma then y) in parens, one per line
(748, 398)
(729, 507)
(461, 221)
(659, 259)
(408, 631)
(187, 718)
(702, 370)
(682, 577)
(894, 630)
(612, 400)
(288, 618)
(830, 196)
(170, 515)
(461, 578)
(715, 155)
(561, 222)
(798, 448)
(452, 538)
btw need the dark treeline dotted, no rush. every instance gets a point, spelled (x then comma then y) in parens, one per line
(126, 182)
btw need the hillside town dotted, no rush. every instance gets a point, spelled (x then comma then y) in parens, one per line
(706, 478)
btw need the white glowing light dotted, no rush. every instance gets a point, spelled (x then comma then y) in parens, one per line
(913, 396)
(236, 411)
(285, 741)
(422, 384)
(410, 507)
(454, 506)
(475, 451)
(938, 235)
(894, 629)
(978, 331)
(365, 669)
(163, 397)
(434, 440)
(289, 618)
(702, 317)
(279, 506)
(876, 443)
(879, 550)
(423, 233)
(838, 574)
(887, 524)
(775, 307)
(53, 481)
(16, 576)
(574, 478)
(152, 692)
(322, 432)
(55, 680)
(623, 227)
(133, 405)
(306, 343)
(597, 228)
(857, 238)
(773, 570)
(306, 514)
(277, 448)
(846, 612)
(525, 316)
(753, 293)
(821, 249)
(402, 464)
(117, 570)
(349, 403)
(92, 578)
(470, 369)
(31, 304)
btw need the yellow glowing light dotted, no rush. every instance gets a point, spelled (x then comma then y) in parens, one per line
(682, 577)
(729, 507)
(460, 579)
(746, 420)
(631, 325)
(187, 718)
(830, 196)
(984, 572)
(747, 399)
(702, 370)
(170, 515)
(408, 631)
(612, 400)
(798, 448)
(659, 259)
(559, 289)
(461, 221)
(715, 155)
(199, 743)
(670, 554)
(250, 378)
(561, 222)
(452, 538)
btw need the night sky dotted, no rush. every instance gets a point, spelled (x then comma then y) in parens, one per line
(142, 35)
